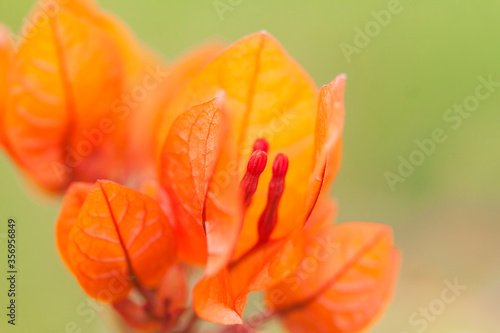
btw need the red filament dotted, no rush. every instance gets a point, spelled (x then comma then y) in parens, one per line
(269, 217)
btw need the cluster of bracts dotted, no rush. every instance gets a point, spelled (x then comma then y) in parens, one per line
(172, 213)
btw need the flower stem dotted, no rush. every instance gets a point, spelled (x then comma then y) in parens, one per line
(191, 324)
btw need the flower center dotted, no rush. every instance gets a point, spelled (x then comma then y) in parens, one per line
(249, 183)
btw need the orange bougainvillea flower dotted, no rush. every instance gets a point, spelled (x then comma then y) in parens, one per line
(267, 95)
(252, 225)
(234, 153)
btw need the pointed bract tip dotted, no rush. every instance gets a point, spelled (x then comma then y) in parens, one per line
(220, 98)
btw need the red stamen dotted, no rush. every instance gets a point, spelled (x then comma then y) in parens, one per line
(261, 144)
(250, 181)
(269, 217)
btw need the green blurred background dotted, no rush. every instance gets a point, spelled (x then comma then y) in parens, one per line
(445, 216)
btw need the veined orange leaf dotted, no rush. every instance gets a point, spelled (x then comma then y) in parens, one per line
(187, 165)
(198, 171)
(67, 118)
(121, 238)
(148, 81)
(343, 283)
(215, 301)
(136, 57)
(327, 142)
(268, 264)
(61, 91)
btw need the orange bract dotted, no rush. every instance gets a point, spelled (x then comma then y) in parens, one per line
(188, 162)
(268, 264)
(135, 56)
(344, 281)
(64, 120)
(195, 156)
(119, 234)
(215, 300)
(327, 142)
(55, 97)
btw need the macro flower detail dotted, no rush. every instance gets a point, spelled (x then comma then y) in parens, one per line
(216, 187)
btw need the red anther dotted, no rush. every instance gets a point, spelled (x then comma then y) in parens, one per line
(269, 217)
(250, 181)
(280, 166)
(261, 144)
(257, 162)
